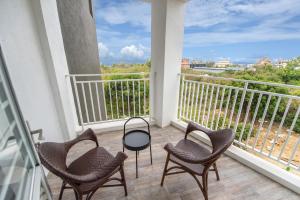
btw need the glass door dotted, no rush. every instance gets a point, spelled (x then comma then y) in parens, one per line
(21, 175)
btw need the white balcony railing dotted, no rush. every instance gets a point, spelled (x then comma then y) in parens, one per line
(110, 97)
(264, 117)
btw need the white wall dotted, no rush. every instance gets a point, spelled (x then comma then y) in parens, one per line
(167, 31)
(36, 70)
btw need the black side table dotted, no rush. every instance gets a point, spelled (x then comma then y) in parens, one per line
(137, 140)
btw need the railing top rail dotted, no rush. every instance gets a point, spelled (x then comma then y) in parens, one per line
(244, 81)
(109, 74)
(116, 80)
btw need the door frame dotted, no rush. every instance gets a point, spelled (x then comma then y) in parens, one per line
(38, 175)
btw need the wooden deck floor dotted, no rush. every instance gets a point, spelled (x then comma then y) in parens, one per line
(237, 181)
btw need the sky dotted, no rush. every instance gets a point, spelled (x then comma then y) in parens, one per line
(240, 30)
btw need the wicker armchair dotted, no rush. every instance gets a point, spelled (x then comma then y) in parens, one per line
(196, 159)
(86, 174)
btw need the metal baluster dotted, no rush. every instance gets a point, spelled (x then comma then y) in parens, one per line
(200, 103)
(254, 118)
(226, 109)
(117, 99)
(110, 99)
(104, 97)
(246, 117)
(77, 101)
(294, 152)
(241, 106)
(289, 132)
(220, 108)
(280, 126)
(122, 94)
(271, 123)
(262, 120)
(233, 107)
(204, 108)
(128, 98)
(196, 104)
(145, 97)
(181, 97)
(133, 98)
(184, 101)
(85, 105)
(215, 107)
(92, 101)
(209, 107)
(188, 103)
(139, 88)
(98, 100)
(192, 104)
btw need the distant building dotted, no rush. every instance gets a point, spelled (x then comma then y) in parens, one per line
(249, 65)
(223, 63)
(185, 63)
(297, 68)
(263, 62)
(197, 64)
(281, 63)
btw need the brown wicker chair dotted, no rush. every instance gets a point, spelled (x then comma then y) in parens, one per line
(86, 174)
(195, 159)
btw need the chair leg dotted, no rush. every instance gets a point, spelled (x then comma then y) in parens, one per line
(136, 165)
(151, 153)
(61, 190)
(77, 195)
(88, 196)
(123, 179)
(204, 184)
(216, 170)
(165, 170)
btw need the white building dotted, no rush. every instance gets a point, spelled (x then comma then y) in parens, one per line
(223, 63)
(281, 63)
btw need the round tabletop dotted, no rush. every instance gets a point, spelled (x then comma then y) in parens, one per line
(136, 140)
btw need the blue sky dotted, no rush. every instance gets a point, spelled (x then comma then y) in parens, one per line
(240, 30)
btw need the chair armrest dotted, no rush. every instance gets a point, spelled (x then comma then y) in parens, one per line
(86, 135)
(184, 156)
(195, 127)
(117, 161)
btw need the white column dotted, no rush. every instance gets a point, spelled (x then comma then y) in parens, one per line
(57, 67)
(166, 53)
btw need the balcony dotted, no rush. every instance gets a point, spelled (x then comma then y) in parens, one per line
(237, 180)
(264, 120)
(263, 163)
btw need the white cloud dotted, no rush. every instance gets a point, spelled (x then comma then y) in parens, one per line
(133, 51)
(203, 13)
(137, 13)
(235, 21)
(254, 35)
(267, 7)
(104, 51)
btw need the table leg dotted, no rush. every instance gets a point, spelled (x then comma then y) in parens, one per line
(136, 164)
(151, 153)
